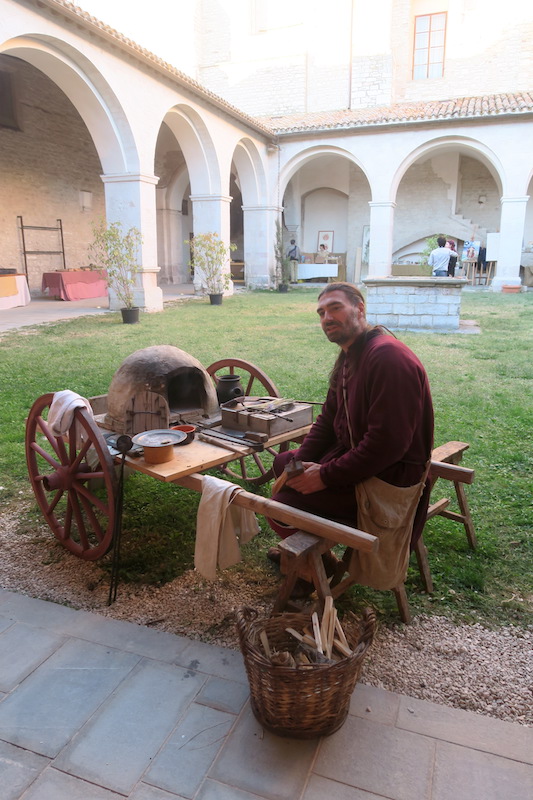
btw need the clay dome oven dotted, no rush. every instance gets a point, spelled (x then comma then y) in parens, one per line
(175, 376)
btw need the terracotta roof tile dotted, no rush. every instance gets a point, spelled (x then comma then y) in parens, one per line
(426, 111)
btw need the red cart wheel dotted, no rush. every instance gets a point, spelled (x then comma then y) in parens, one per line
(74, 481)
(256, 468)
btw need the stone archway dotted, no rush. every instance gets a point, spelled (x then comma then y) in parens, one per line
(450, 186)
(326, 189)
(52, 165)
(251, 218)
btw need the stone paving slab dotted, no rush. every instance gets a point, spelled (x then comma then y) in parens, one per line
(55, 785)
(93, 721)
(355, 755)
(255, 761)
(18, 769)
(47, 709)
(464, 728)
(120, 741)
(473, 775)
(127, 636)
(223, 695)
(375, 704)
(5, 623)
(190, 751)
(214, 660)
(211, 790)
(39, 613)
(322, 789)
(145, 792)
(15, 661)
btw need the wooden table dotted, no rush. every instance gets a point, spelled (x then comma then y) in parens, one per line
(75, 284)
(13, 291)
(189, 460)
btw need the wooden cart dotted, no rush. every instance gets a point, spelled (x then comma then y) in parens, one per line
(74, 476)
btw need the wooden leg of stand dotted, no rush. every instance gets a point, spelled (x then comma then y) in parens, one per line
(318, 576)
(403, 604)
(465, 511)
(421, 553)
(285, 591)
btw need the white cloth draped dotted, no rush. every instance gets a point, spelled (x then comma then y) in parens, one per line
(62, 411)
(220, 527)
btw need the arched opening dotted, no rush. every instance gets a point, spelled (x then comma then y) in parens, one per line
(326, 211)
(451, 188)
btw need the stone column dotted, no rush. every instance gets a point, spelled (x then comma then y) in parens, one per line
(259, 238)
(130, 199)
(512, 220)
(211, 214)
(170, 238)
(381, 233)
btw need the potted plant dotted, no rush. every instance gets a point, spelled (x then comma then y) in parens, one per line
(116, 252)
(210, 256)
(283, 264)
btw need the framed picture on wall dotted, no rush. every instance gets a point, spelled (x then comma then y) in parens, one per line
(325, 241)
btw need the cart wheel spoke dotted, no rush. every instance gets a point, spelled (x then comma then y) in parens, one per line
(260, 465)
(92, 498)
(89, 511)
(79, 474)
(257, 468)
(65, 530)
(80, 521)
(47, 457)
(55, 501)
(57, 444)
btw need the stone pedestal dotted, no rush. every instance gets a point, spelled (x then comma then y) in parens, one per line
(414, 304)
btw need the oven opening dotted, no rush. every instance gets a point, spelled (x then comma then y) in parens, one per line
(185, 390)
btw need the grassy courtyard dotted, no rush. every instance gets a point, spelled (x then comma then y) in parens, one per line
(482, 391)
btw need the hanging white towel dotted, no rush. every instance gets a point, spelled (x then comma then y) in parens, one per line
(220, 527)
(62, 411)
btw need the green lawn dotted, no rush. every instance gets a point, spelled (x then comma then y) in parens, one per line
(482, 394)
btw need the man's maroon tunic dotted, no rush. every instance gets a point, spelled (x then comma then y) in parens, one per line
(391, 416)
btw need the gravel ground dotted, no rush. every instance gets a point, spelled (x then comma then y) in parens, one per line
(464, 666)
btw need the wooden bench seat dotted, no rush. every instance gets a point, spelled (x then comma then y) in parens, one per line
(452, 453)
(301, 553)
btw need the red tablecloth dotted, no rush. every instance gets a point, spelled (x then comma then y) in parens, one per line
(75, 284)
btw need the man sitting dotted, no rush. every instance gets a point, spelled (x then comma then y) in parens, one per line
(377, 420)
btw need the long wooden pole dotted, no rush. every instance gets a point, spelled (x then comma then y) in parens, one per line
(325, 528)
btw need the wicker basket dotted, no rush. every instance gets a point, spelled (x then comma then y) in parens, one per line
(296, 702)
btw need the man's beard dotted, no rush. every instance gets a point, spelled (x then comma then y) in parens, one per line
(341, 334)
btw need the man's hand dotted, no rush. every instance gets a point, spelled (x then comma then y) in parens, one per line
(309, 481)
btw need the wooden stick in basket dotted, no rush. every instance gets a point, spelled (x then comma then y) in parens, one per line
(304, 639)
(316, 630)
(327, 641)
(264, 641)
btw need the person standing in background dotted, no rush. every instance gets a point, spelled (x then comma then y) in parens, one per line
(295, 256)
(450, 244)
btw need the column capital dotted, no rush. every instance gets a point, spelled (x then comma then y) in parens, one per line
(522, 199)
(129, 177)
(276, 209)
(210, 198)
(382, 204)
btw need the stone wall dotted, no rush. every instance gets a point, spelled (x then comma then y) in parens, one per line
(414, 304)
